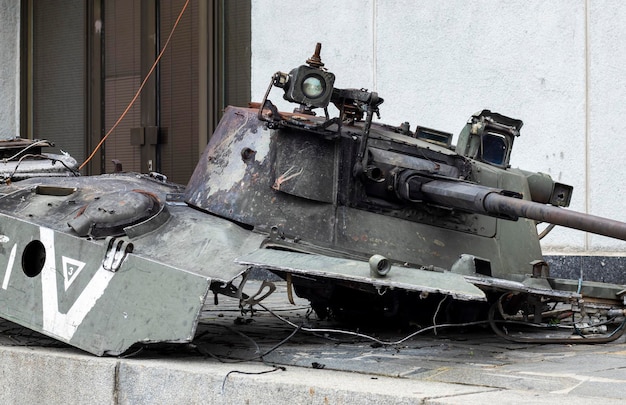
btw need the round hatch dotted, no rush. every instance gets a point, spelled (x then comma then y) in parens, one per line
(109, 214)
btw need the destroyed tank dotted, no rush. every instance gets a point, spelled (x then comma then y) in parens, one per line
(365, 220)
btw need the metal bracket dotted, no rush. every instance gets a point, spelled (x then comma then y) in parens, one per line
(116, 251)
(245, 300)
(251, 300)
(258, 296)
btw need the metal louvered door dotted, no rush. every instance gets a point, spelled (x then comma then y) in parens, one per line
(122, 77)
(57, 68)
(160, 131)
(178, 91)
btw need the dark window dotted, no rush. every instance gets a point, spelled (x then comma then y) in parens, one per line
(494, 148)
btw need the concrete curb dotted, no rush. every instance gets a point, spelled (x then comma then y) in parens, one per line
(62, 376)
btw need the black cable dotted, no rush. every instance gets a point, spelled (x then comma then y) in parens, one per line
(256, 357)
(368, 337)
(276, 368)
(21, 159)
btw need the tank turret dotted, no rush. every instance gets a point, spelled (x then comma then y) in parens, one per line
(349, 188)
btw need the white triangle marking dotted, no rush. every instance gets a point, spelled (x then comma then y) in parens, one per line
(71, 269)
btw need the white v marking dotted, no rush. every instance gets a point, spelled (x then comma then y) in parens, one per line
(54, 322)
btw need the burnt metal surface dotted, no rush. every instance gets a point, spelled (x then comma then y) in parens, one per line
(288, 179)
(226, 184)
(300, 169)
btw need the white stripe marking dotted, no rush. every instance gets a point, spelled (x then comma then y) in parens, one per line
(7, 274)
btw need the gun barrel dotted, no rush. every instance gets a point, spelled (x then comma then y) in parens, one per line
(503, 205)
(490, 201)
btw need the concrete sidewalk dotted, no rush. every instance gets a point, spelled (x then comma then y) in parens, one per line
(58, 376)
(451, 368)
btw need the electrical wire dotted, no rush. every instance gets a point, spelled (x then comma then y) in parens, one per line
(368, 337)
(276, 368)
(615, 334)
(32, 145)
(436, 313)
(324, 332)
(619, 331)
(143, 83)
(28, 155)
(256, 357)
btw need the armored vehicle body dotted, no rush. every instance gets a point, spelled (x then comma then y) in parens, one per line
(365, 220)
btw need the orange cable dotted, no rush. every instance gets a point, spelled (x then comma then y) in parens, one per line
(143, 83)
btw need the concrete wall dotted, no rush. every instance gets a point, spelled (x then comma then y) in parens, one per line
(9, 68)
(557, 65)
